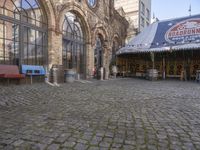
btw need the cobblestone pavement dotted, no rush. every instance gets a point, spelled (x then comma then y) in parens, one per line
(127, 114)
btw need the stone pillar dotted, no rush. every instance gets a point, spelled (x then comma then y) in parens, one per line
(54, 48)
(107, 58)
(89, 60)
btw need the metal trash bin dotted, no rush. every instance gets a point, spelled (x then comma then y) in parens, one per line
(70, 75)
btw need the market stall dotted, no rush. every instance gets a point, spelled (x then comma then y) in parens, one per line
(172, 47)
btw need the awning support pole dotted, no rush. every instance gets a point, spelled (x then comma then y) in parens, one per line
(163, 68)
(152, 59)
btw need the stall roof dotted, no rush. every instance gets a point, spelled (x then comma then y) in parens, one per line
(174, 34)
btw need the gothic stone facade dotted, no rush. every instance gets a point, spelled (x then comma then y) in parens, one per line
(102, 20)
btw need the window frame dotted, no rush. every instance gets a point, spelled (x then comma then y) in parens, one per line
(23, 25)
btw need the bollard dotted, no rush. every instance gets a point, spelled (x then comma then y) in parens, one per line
(55, 75)
(101, 70)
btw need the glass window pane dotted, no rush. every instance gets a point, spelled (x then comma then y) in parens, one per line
(39, 51)
(25, 54)
(15, 53)
(1, 49)
(33, 3)
(10, 14)
(17, 4)
(41, 24)
(31, 21)
(8, 30)
(38, 15)
(16, 14)
(16, 48)
(25, 5)
(69, 55)
(25, 34)
(31, 36)
(39, 55)
(10, 10)
(37, 23)
(9, 50)
(69, 29)
(16, 60)
(44, 40)
(16, 32)
(39, 38)
(32, 10)
(24, 16)
(11, 31)
(31, 54)
(82, 63)
(1, 29)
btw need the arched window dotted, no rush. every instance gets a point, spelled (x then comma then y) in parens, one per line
(115, 48)
(23, 33)
(73, 44)
(98, 54)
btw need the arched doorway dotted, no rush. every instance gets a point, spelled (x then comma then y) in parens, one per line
(98, 54)
(73, 54)
(23, 33)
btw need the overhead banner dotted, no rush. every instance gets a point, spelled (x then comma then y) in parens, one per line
(185, 31)
(177, 31)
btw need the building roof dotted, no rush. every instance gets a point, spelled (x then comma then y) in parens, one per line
(174, 34)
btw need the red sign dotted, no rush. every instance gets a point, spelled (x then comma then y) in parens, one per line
(185, 31)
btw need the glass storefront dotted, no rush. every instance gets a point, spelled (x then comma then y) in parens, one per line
(73, 54)
(23, 33)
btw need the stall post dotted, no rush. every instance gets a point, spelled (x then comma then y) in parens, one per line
(163, 68)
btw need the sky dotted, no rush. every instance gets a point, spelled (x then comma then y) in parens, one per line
(166, 9)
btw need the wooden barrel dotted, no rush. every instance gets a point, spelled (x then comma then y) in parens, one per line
(152, 74)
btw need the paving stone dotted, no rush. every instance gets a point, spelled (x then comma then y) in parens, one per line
(41, 146)
(115, 114)
(69, 144)
(53, 147)
(47, 140)
(81, 146)
(9, 147)
(116, 145)
(128, 147)
(105, 144)
(60, 140)
(18, 143)
(103, 148)
(93, 148)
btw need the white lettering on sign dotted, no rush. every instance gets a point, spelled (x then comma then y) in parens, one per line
(185, 31)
